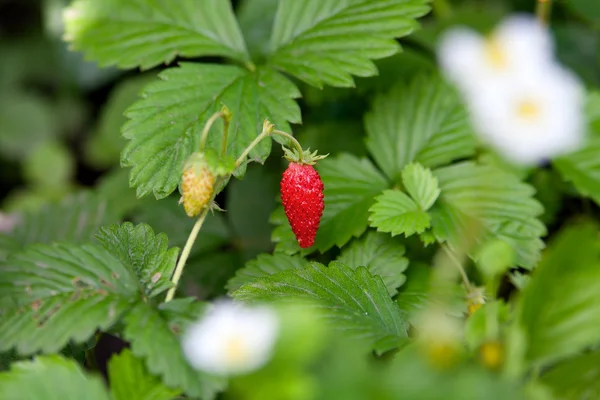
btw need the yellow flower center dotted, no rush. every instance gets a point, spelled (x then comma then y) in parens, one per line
(235, 352)
(528, 109)
(494, 53)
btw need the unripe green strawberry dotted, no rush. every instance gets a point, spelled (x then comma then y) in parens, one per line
(302, 198)
(197, 184)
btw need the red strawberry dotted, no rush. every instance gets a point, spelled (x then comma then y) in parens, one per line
(302, 198)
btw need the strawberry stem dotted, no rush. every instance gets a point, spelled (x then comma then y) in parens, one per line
(266, 131)
(542, 11)
(293, 140)
(226, 115)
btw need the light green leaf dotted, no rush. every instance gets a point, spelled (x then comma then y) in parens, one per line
(256, 20)
(481, 202)
(50, 167)
(354, 301)
(381, 255)
(583, 166)
(422, 122)
(396, 213)
(350, 183)
(75, 219)
(560, 307)
(576, 378)
(145, 33)
(264, 265)
(420, 183)
(328, 41)
(130, 380)
(146, 254)
(154, 336)
(50, 378)
(165, 126)
(61, 292)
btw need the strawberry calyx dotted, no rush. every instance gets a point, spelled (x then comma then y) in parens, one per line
(304, 157)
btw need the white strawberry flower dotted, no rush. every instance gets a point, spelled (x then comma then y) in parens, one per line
(521, 101)
(231, 339)
(514, 50)
(534, 120)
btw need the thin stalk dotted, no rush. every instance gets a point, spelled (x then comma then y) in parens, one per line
(207, 127)
(185, 254)
(542, 11)
(291, 139)
(458, 265)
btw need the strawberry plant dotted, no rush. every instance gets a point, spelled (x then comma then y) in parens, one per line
(300, 199)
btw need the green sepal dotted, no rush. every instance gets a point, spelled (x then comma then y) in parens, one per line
(306, 157)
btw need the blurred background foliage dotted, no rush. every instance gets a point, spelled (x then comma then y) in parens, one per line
(60, 120)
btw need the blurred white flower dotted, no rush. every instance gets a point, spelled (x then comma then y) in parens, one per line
(533, 121)
(515, 50)
(521, 101)
(231, 339)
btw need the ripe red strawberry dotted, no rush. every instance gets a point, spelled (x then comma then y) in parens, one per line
(302, 198)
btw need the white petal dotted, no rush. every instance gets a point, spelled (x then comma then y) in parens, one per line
(460, 55)
(231, 339)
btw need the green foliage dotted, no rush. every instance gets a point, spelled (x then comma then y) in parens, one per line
(354, 301)
(153, 330)
(136, 33)
(480, 202)
(381, 255)
(264, 265)
(334, 40)
(146, 254)
(75, 219)
(582, 167)
(560, 307)
(50, 378)
(61, 292)
(396, 213)
(130, 380)
(421, 185)
(165, 126)
(575, 378)
(350, 185)
(423, 122)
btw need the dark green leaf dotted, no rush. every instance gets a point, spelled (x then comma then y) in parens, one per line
(381, 255)
(575, 378)
(61, 292)
(148, 255)
(354, 301)
(145, 33)
(264, 265)
(165, 126)
(328, 41)
(422, 122)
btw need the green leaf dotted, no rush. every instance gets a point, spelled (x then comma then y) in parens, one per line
(130, 380)
(354, 301)
(142, 33)
(75, 219)
(350, 183)
(583, 166)
(50, 167)
(560, 307)
(61, 292)
(206, 275)
(421, 122)
(396, 213)
(264, 265)
(381, 255)
(154, 336)
(575, 378)
(420, 183)
(145, 253)
(114, 187)
(165, 126)
(495, 201)
(414, 296)
(50, 378)
(328, 41)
